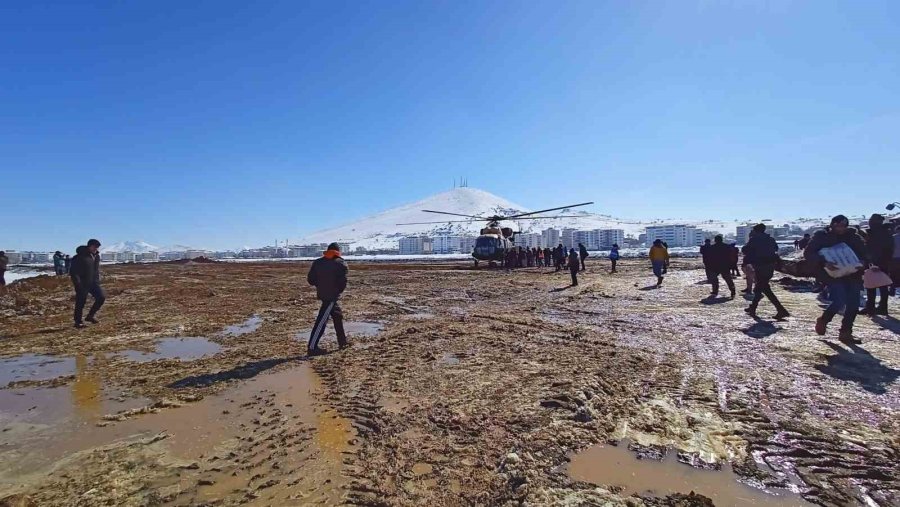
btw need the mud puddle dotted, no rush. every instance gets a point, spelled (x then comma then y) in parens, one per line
(185, 349)
(611, 465)
(266, 439)
(248, 326)
(34, 367)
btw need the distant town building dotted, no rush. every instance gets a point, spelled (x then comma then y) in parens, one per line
(109, 256)
(446, 244)
(675, 235)
(14, 257)
(567, 238)
(550, 237)
(416, 245)
(530, 240)
(148, 257)
(126, 256)
(610, 237)
(742, 233)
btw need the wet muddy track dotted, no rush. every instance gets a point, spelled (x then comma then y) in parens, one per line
(482, 385)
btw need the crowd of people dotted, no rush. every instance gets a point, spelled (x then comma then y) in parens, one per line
(870, 259)
(874, 258)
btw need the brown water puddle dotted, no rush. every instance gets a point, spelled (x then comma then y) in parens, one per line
(34, 367)
(182, 348)
(266, 439)
(610, 465)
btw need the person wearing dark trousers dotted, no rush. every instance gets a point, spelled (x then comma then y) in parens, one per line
(880, 249)
(614, 257)
(328, 274)
(761, 251)
(704, 255)
(85, 276)
(659, 256)
(4, 261)
(735, 257)
(719, 259)
(573, 266)
(844, 290)
(582, 254)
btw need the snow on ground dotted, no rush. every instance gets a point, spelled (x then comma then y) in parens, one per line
(19, 274)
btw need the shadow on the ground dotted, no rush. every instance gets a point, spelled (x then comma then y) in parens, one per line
(243, 371)
(796, 285)
(650, 287)
(715, 300)
(889, 323)
(761, 329)
(560, 289)
(858, 365)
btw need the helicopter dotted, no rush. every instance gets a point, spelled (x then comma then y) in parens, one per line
(495, 242)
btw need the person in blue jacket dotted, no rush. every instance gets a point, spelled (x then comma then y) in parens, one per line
(614, 256)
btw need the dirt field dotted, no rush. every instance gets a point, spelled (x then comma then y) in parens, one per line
(462, 387)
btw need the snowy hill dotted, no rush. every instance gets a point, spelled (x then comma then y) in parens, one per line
(142, 247)
(129, 246)
(381, 231)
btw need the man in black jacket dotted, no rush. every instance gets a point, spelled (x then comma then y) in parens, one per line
(880, 248)
(329, 275)
(844, 290)
(761, 251)
(704, 254)
(718, 258)
(85, 275)
(582, 254)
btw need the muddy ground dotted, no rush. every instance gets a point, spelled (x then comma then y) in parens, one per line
(462, 387)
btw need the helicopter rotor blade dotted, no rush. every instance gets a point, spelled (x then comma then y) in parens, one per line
(454, 214)
(549, 218)
(546, 210)
(443, 222)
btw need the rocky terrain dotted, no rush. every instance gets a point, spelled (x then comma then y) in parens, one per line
(462, 387)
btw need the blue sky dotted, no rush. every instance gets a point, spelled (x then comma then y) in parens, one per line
(225, 123)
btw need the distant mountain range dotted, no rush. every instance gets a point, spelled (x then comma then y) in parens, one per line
(141, 247)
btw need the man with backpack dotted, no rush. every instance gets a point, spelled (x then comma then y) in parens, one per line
(843, 289)
(761, 252)
(328, 274)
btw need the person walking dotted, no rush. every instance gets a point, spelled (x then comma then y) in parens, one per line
(735, 257)
(749, 275)
(659, 256)
(573, 266)
(614, 256)
(85, 276)
(895, 262)
(4, 262)
(704, 255)
(560, 256)
(582, 254)
(843, 290)
(548, 257)
(67, 264)
(761, 251)
(529, 256)
(804, 242)
(666, 264)
(719, 255)
(539, 257)
(880, 249)
(328, 274)
(58, 266)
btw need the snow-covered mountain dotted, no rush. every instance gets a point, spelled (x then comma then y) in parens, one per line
(381, 231)
(142, 247)
(130, 246)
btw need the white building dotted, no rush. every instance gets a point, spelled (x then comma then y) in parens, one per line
(550, 237)
(127, 257)
(416, 245)
(590, 239)
(446, 244)
(610, 237)
(529, 240)
(148, 257)
(567, 237)
(14, 257)
(109, 256)
(742, 234)
(675, 235)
